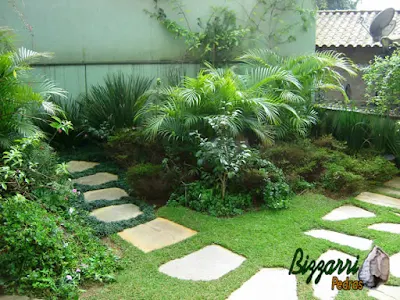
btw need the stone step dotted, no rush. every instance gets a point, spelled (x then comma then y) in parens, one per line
(388, 191)
(116, 213)
(395, 265)
(348, 212)
(341, 238)
(206, 264)
(75, 166)
(387, 227)
(156, 234)
(394, 183)
(385, 292)
(379, 199)
(323, 289)
(105, 194)
(96, 179)
(268, 284)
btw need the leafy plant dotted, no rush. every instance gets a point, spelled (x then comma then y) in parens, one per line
(27, 165)
(22, 95)
(115, 102)
(250, 102)
(48, 255)
(199, 197)
(217, 39)
(313, 73)
(222, 154)
(382, 78)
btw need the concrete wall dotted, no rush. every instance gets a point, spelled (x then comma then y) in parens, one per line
(92, 37)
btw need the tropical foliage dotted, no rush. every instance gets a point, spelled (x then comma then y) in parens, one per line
(23, 95)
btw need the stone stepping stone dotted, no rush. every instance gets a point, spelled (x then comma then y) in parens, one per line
(156, 234)
(395, 265)
(394, 183)
(341, 238)
(388, 191)
(208, 263)
(385, 292)
(268, 284)
(96, 179)
(323, 290)
(388, 227)
(116, 213)
(378, 199)
(105, 194)
(347, 212)
(75, 166)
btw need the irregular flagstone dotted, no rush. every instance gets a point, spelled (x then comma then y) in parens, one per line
(347, 212)
(341, 238)
(156, 234)
(395, 265)
(268, 284)
(323, 289)
(388, 191)
(14, 298)
(105, 194)
(394, 183)
(385, 292)
(96, 179)
(75, 166)
(116, 213)
(388, 227)
(378, 199)
(208, 263)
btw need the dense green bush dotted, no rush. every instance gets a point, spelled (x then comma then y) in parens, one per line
(128, 147)
(382, 78)
(47, 255)
(329, 168)
(199, 197)
(150, 182)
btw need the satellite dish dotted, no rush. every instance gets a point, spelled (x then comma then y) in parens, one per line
(383, 24)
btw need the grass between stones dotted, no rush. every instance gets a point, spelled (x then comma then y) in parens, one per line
(268, 239)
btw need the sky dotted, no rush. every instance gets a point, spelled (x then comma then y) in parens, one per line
(378, 4)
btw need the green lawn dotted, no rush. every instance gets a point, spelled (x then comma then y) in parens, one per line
(265, 238)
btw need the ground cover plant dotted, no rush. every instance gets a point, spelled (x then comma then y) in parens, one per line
(266, 238)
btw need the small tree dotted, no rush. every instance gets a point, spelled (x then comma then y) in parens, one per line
(382, 78)
(224, 155)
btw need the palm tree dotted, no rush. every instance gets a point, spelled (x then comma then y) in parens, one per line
(21, 94)
(322, 71)
(247, 99)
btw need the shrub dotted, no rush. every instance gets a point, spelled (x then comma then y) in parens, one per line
(277, 193)
(128, 147)
(47, 255)
(382, 78)
(307, 165)
(115, 102)
(199, 197)
(28, 165)
(150, 181)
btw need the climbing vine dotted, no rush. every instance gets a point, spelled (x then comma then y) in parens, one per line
(220, 38)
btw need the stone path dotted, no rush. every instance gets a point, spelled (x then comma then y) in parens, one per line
(347, 212)
(378, 199)
(209, 263)
(213, 261)
(341, 238)
(156, 234)
(388, 227)
(268, 284)
(323, 290)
